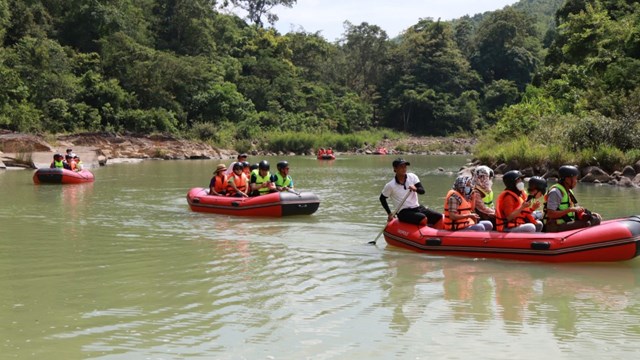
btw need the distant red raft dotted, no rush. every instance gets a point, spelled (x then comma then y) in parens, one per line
(61, 176)
(613, 240)
(274, 204)
(326, 157)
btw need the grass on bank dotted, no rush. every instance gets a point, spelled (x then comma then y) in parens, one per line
(523, 152)
(228, 136)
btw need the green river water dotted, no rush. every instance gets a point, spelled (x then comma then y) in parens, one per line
(122, 269)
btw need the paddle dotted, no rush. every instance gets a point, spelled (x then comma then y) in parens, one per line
(393, 214)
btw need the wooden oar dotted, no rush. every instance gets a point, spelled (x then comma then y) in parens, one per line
(393, 214)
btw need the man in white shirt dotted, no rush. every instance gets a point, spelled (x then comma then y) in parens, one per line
(240, 159)
(396, 189)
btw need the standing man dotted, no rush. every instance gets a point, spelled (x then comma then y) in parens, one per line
(562, 212)
(396, 189)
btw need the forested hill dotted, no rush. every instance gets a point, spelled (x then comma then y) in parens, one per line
(189, 67)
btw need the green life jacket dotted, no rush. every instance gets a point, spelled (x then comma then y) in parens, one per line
(261, 180)
(487, 199)
(565, 203)
(58, 164)
(283, 182)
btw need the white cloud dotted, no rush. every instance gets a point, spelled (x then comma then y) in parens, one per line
(328, 16)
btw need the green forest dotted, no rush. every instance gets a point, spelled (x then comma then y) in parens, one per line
(533, 81)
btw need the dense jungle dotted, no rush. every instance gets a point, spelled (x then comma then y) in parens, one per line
(541, 82)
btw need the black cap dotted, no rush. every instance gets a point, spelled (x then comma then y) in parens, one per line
(399, 161)
(242, 155)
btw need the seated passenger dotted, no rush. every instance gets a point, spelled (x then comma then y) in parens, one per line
(458, 208)
(58, 162)
(237, 183)
(329, 151)
(513, 211)
(281, 179)
(537, 189)
(218, 183)
(79, 164)
(482, 193)
(246, 169)
(261, 180)
(321, 152)
(403, 190)
(240, 158)
(72, 164)
(562, 212)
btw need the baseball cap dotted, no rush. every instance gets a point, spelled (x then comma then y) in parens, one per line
(399, 161)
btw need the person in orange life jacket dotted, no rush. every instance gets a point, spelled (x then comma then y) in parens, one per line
(218, 183)
(79, 164)
(241, 157)
(261, 180)
(246, 168)
(72, 164)
(482, 193)
(562, 211)
(536, 190)
(237, 184)
(321, 152)
(58, 162)
(458, 208)
(410, 211)
(329, 151)
(513, 211)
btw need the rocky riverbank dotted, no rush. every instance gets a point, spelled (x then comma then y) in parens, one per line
(31, 151)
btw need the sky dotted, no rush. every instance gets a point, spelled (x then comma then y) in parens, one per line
(393, 16)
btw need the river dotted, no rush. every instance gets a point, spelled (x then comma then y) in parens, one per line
(122, 269)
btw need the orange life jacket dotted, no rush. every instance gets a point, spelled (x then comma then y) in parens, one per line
(502, 213)
(220, 183)
(463, 209)
(241, 183)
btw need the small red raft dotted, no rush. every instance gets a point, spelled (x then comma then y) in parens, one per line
(613, 240)
(61, 176)
(326, 157)
(274, 204)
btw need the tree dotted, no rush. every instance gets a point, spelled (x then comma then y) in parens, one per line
(507, 47)
(257, 9)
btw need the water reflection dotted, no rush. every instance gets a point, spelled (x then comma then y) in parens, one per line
(571, 299)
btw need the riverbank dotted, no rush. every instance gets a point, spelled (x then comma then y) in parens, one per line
(31, 151)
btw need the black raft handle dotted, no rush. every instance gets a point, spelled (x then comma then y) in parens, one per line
(540, 245)
(433, 242)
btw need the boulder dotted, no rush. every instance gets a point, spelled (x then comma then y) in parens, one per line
(629, 172)
(528, 172)
(500, 169)
(636, 167)
(636, 179)
(22, 143)
(625, 181)
(595, 173)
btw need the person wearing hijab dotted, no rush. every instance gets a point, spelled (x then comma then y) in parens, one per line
(482, 193)
(458, 208)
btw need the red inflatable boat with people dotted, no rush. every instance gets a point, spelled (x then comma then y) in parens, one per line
(612, 240)
(62, 176)
(276, 204)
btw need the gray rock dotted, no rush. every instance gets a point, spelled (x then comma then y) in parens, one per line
(500, 169)
(629, 172)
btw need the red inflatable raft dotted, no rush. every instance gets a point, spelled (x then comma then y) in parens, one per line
(326, 157)
(61, 176)
(613, 240)
(274, 204)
